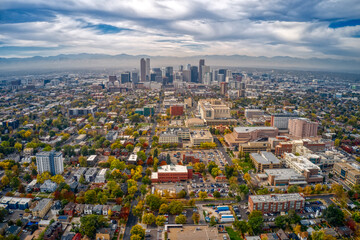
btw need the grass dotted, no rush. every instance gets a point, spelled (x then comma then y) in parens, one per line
(246, 166)
(232, 234)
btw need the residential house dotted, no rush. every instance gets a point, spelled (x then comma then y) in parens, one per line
(105, 210)
(53, 231)
(79, 209)
(98, 209)
(56, 207)
(88, 209)
(48, 186)
(42, 207)
(69, 209)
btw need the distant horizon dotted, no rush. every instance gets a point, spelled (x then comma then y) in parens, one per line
(297, 29)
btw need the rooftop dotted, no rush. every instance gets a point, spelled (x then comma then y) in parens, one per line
(277, 197)
(251, 129)
(265, 158)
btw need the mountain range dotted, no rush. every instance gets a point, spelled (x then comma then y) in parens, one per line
(84, 61)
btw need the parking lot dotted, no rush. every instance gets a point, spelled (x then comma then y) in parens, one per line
(187, 212)
(210, 188)
(205, 156)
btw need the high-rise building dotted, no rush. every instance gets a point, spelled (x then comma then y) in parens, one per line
(50, 161)
(186, 75)
(302, 128)
(223, 88)
(142, 70)
(112, 79)
(201, 63)
(169, 74)
(158, 72)
(223, 72)
(134, 77)
(188, 67)
(125, 77)
(281, 120)
(148, 69)
(181, 68)
(194, 74)
(205, 69)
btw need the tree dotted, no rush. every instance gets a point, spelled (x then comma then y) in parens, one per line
(141, 155)
(138, 209)
(297, 229)
(160, 220)
(135, 134)
(18, 146)
(256, 221)
(90, 197)
(280, 221)
(334, 215)
(337, 142)
(136, 237)
(153, 201)
(138, 230)
(247, 177)
(199, 167)
(149, 218)
(82, 161)
(203, 195)
(82, 180)
(15, 182)
(318, 188)
(164, 208)
(181, 219)
(176, 207)
(58, 179)
(293, 218)
(217, 194)
(90, 223)
(5, 180)
(293, 189)
(241, 226)
(196, 218)
(181, 194)
(212, 221)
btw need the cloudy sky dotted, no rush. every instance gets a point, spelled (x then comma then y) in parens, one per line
(296, 28)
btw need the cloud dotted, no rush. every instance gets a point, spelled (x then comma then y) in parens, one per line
(299, 28)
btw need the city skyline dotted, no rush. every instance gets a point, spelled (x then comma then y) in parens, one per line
(302, 29)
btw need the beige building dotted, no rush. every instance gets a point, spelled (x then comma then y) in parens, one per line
(215, 112)
(349, 172)
(302, 128)
(265, 160)
(42, 208)
(174, 135)
(194, 122)
(199, 136)
(252, 147)
(249, 134)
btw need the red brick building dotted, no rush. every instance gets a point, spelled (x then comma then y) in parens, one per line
(191, 157)
(274, 203)
(170, 173)
(176, 110)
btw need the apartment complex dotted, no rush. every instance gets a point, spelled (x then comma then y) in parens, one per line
(303, 166)
(350, 172)
(172, 173)
(82, 111)
(50, 161)
(275, 203)
(215, 112)
(249, 134)
(174, 135)
(42, 207)
(302, 128)
(265, 160)
(253, 147)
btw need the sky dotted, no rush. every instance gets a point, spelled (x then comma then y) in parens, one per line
(295, 28)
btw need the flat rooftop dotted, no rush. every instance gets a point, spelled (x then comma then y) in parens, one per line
(251, 129)
(172, 168)
(195, 232)
(277, 198)
(265, 158)
(284, 174)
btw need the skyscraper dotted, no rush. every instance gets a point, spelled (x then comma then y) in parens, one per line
(134, 77)
(201, 63)
(223, 88)
(142, 70)
(125, 77)
(148, 69)
(169, 74)
(194, 74)
(51, 162)
(204, 70)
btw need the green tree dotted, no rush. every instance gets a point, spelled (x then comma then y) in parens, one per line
(18, 146)
(138, 230)
(293, 189)
(333, 215)
(256, 221)
(280, 221)
(90, 223)
(82, 161)
(212, 221)
(181, 219)
(241, 226)
(160, 220)
(90, 197)
(164, 208)
(217, 194)
(153, 201)
(176, 207)
(149, 218)
(203, 194)
(196, 218)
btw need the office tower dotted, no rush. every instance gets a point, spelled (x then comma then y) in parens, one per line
(51, 162)
(223, 88)
(201, 63)
(142, 70)
(188, 67)
(221, 77)
(158, 72)
(169, 74)
(194, 74)
(148, 69)
(135, 77)
(186, 75)
(204, 70)
(125, 77)
(207, 78)
(112, 79)
(215, 75)
(223, 72)
(181, 68)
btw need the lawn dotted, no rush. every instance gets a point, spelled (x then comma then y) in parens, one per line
(246, 166)
(232, 234)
